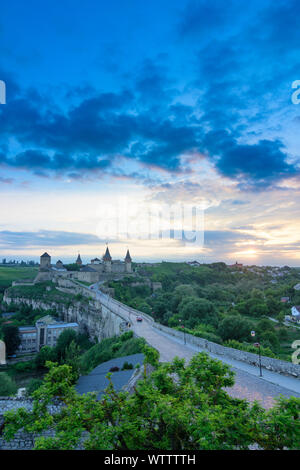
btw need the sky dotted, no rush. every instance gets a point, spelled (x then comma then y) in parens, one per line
(167, 127)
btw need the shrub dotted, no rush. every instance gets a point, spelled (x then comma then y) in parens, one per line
(126, 336)
(24, 366)
(127, 366)
(116, 347)
(265, 351)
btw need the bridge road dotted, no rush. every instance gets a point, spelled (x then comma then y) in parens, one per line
(248, 384)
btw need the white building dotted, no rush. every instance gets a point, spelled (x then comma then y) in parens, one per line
(45, 333)
(295, 313)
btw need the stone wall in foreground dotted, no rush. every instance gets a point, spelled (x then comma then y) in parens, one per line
(21, 440)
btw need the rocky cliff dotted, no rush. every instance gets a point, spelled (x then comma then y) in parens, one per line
(94, 320)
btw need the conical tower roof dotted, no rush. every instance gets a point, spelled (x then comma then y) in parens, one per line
(78, 259)
(107, 256)
(128, 257)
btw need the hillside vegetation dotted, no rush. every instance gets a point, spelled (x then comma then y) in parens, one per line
(220, 303)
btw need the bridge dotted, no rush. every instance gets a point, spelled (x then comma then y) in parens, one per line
(248, 383)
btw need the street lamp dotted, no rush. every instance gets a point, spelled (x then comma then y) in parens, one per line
(182, 326)
(257, 345)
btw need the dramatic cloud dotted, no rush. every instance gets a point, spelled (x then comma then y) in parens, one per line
(188, 100)
(45, 238)
(258, 165)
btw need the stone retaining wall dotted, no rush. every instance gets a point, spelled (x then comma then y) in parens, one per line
(276, 365)
(21, 440)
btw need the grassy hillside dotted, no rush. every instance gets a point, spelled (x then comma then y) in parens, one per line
(9, 274)
(43, 291)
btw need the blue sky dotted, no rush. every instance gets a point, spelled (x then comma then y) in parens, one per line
(182, 102)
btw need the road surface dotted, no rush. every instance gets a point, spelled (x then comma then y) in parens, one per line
(248, 385)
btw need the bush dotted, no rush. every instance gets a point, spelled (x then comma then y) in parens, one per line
(209, 336)
(8, 386)
(116, 347)
(265, 351)
(24, 366)
(126, 336)
(127, 366)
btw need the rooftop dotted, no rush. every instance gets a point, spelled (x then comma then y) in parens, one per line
(97, 382)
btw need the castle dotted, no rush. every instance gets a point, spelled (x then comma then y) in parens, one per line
(96, 270)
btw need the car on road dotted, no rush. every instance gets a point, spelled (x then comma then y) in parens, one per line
(139, 319)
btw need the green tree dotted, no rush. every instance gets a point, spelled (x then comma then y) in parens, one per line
(72, 354)
(191, 412)
(45, 354)
(8, 386)
(234, 327)
(194, 310)
(63, 342)
(11, 338)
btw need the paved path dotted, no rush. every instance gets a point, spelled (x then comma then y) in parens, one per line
(248, 384)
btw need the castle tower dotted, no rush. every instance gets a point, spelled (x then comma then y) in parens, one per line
(45, 262)
(78, 261)
(107, 261)
(128, 262)
(45, 271)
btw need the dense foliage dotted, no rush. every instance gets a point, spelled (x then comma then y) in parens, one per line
(110, 348)
(8, 387)
(177, 407)
(12, 273)
(41, 291)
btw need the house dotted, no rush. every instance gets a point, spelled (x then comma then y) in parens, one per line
(295, 313)
(236, 265)
(45, 333)
(284, 299)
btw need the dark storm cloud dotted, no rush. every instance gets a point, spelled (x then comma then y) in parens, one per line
(235, 52)
(256, 166)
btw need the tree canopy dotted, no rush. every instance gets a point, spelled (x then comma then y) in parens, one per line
(176, 407)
